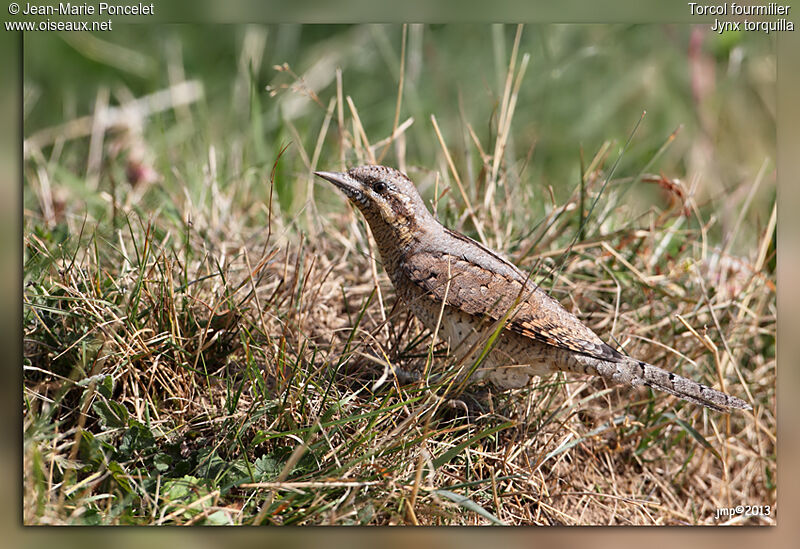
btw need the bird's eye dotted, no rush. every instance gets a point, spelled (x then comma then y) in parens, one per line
(379, 187)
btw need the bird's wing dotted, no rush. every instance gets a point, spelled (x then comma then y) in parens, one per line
(485, 293)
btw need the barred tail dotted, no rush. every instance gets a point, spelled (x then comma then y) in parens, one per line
(635, 372)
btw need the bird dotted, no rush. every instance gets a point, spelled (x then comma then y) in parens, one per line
(470, 293)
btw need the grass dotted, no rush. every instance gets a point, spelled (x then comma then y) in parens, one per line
(208, 333)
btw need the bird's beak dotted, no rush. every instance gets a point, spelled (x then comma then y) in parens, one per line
(349, 186)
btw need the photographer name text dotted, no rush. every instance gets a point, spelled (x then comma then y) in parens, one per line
(102, 8)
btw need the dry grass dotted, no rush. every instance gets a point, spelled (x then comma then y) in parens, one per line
(188, 367)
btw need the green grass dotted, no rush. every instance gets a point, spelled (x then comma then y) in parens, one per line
(207, 333)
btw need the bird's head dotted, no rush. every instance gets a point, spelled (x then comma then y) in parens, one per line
(387, 198)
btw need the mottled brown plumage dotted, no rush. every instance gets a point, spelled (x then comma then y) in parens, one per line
(438, 270)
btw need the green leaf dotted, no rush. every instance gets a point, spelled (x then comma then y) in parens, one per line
(120, 476)
(136, 438)
(113, 415)
(219, 518)
(162, 462)
(182, 492)
(102, 381)
(695, 435)
(470, 505)
(92, 517)
(182, 488)
(366, 514)
(106, 388)
(92, 450)
(770, 481)
(267, 468)
(454, 451)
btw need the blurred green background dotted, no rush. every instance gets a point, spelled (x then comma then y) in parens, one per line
(585, 85)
